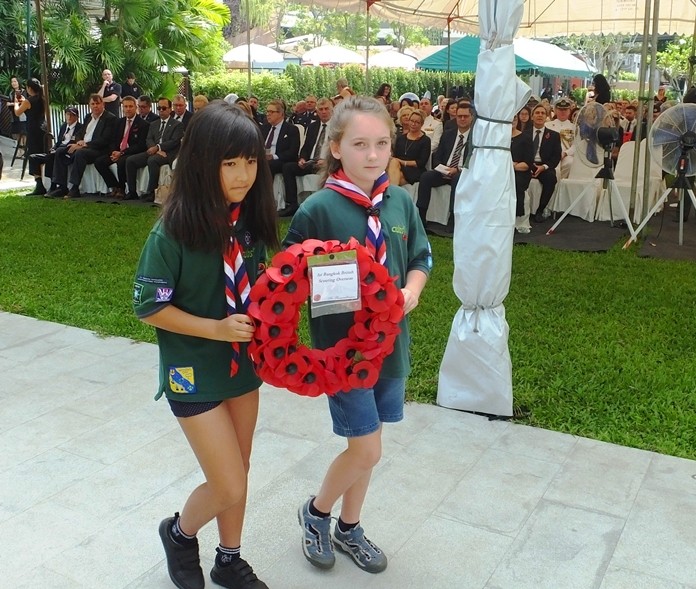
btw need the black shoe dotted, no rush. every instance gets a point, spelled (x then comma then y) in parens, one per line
(288, 211)
(538, 218)
(443, 230)
(183, 563)
(130, 196)
(59, 192)
(148, 197)
(39, 189)
(74, 192)
(238, 575)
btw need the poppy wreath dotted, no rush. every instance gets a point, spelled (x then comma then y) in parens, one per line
(356, 360)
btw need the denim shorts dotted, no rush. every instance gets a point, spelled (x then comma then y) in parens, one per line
(361, 411)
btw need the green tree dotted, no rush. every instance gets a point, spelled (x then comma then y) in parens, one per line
(348, 29)
(603, 53)
(406, 36)
(674, 59)
(150, 37)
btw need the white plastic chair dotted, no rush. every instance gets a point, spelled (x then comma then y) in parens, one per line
(579, 178)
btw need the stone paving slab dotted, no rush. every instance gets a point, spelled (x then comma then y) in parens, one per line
(91, 464)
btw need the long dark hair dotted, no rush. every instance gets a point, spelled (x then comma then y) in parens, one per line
(523, 126)
(380, 91)
(445, 110)
(602, 90)
(197, 213)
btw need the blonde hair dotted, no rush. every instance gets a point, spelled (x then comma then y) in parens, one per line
(403, 111)
(343, 114)
(199, 101)
(420, 113)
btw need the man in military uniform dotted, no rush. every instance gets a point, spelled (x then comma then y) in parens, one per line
(566, 129)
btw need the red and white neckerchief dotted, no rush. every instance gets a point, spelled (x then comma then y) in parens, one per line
(236, 281)
(374, 240)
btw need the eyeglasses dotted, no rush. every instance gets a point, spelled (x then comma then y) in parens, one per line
(162, 108)
(271, 111)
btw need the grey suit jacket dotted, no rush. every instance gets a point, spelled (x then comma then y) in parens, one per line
(170, 141)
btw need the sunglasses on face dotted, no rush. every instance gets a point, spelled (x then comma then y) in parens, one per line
(162, 108)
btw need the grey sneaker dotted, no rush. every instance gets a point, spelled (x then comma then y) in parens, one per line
(316, 535)
(364, 552)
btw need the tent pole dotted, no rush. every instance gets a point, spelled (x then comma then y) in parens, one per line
(690, 77)
(248, 50)
(44, 65)
(449, 56)
(28, 40)
(641, 104)
(367, 51)
(651, 103)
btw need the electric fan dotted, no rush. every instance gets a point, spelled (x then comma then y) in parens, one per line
(589, 140)
(672, 142)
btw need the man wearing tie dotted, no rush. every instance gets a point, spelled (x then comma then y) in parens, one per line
(66, 136)
(448, 161)
(310, 156)
(163, 142)
(129, 139)
(91, 141)
(547, 155)
(180, 113)
(282, 138)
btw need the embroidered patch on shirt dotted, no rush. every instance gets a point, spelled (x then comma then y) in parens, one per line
(181, 380)
(162, 295)
(137, 293)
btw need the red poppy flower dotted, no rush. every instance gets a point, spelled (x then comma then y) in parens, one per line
(374, 278)
(393, 314)
(267, 332)
(314, 246)
(284, 265)
(384, 298)
(298, 290)
(279, 308)
(363, 375)
(276, 351)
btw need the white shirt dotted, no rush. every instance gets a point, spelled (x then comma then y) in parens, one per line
(90, 128)
(276, 131)
(433, 129)
(69, 132)
(566, 129)
(461, 156)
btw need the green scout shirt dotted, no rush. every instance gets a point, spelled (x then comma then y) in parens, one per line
(193, 368)
(330, 215)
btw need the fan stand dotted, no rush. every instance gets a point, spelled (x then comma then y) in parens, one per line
(684, 187)
(609, 189)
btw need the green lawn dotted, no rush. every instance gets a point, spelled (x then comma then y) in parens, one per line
(602, 344)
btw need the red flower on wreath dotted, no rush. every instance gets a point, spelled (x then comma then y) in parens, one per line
(356, 360)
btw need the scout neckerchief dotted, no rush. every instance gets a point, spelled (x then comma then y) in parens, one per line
(374, 240)
(236, 280)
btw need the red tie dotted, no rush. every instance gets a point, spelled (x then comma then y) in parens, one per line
(124, 141)
(236, 281)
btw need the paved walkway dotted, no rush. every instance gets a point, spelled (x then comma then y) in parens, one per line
(11, 175)
(90, 464)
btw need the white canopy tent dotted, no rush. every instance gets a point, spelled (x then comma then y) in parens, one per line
(393, 59)
(540, 18)
(261, 57)
(331, 54)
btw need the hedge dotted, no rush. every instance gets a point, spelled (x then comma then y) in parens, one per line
(299, 81)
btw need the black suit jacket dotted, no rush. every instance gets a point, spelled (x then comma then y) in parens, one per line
(550, 149)
(311, 137)
(288, 143)
(151, 116)
(444, 150)
(171, 138)
(61, 134)
(136, 138)
(103, 133)
(186, 118)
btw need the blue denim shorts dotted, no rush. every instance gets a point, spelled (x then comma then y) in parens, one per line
(361, 411)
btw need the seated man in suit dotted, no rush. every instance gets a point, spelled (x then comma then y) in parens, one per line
(66, 135)
(448, 161)
(282, 138)
(92, 141)
(145, 109)
(180, 112)
(129, 139)
(547, 155)
(163, 142)
(310, 156)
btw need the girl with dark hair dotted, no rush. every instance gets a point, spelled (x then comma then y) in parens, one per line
(602, 90)
(358, 202)
(19, 123)
(524, 119)
(384, 92)
(33, 107)
(192, 285)
(449, 114)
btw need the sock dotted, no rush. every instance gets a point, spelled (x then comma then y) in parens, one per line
(226, 556)
(180, 536)
(315, 512)
(344, 527)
